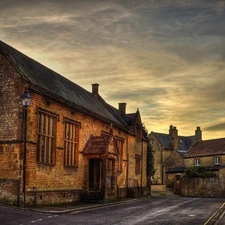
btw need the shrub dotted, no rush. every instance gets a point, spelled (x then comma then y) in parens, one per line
(198, 171)
(171, 183)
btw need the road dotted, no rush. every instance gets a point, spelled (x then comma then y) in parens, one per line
(157, 211)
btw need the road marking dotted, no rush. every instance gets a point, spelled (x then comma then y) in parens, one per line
(35, 221)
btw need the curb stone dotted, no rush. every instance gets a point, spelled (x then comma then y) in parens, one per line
(217, 216)
(86, 208)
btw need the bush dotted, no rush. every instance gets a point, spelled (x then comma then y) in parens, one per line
(171, 183)
(198, 171)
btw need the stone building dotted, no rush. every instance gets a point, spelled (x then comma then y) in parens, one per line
(169, 150)
(68, 142)
(207, 153)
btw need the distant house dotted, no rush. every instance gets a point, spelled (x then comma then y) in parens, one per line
(207, 153)
(169, 150)
(69, 142)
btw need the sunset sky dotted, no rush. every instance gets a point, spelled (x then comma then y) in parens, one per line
(165, 57)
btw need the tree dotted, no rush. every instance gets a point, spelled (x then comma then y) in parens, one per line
(150, 155)
(150, 161)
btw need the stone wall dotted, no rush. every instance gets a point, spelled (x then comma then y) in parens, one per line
(10, 191)
(158, 149)
(204, 160)
(202, 187)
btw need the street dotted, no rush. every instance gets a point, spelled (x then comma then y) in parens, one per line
(167, 211)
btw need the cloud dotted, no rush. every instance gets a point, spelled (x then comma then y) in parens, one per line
(216, 127)
(164, 57)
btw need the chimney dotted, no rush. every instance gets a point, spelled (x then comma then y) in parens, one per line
(173, 132)
(122, 107)
(198, 133)
(95, 89)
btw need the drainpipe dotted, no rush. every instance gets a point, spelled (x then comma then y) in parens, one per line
(18, 192)
(35, 198)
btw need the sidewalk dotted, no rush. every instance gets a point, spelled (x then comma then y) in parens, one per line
(80, 206)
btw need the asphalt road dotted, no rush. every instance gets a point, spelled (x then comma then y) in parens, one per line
(157, 211)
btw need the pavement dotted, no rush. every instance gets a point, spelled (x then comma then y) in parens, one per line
(80, 206)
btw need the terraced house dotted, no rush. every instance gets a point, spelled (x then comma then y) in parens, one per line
(63, 142)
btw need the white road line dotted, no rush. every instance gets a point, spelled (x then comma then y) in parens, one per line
(35, 221)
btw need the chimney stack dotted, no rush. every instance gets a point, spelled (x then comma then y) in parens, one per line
(198, 133)
(95, 88)
(122, 107)
(173, 132)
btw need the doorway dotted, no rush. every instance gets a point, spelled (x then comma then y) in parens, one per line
(95, 174)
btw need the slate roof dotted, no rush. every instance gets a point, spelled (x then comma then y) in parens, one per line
(52, 84)
(184, 142)
(207, 148)
(130, 118)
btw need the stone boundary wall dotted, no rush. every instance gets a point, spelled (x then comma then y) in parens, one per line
(46, 197)
(202, 187)
(10, 191)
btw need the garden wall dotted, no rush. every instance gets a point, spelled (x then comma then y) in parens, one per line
(202, 187)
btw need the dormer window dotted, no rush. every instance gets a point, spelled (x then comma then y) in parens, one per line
(217, 160)
(197, 162)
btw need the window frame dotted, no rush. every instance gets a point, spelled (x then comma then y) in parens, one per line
(46, 135)
(197, 161)
(71, 143)
(216, 160)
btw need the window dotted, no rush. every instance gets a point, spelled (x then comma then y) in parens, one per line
(197, 162)
(46, 137)
(217, 160)
(137, 164)
(71, 143)
(120, 156)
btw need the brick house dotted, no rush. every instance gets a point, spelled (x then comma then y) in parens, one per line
(169, 150)
(73, 142)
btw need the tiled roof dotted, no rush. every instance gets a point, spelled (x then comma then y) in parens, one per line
(182, 169)
(96, 145)
(207, 148)
(50, 83)
(184, 142)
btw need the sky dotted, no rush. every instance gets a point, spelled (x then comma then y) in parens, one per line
(164, 57)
